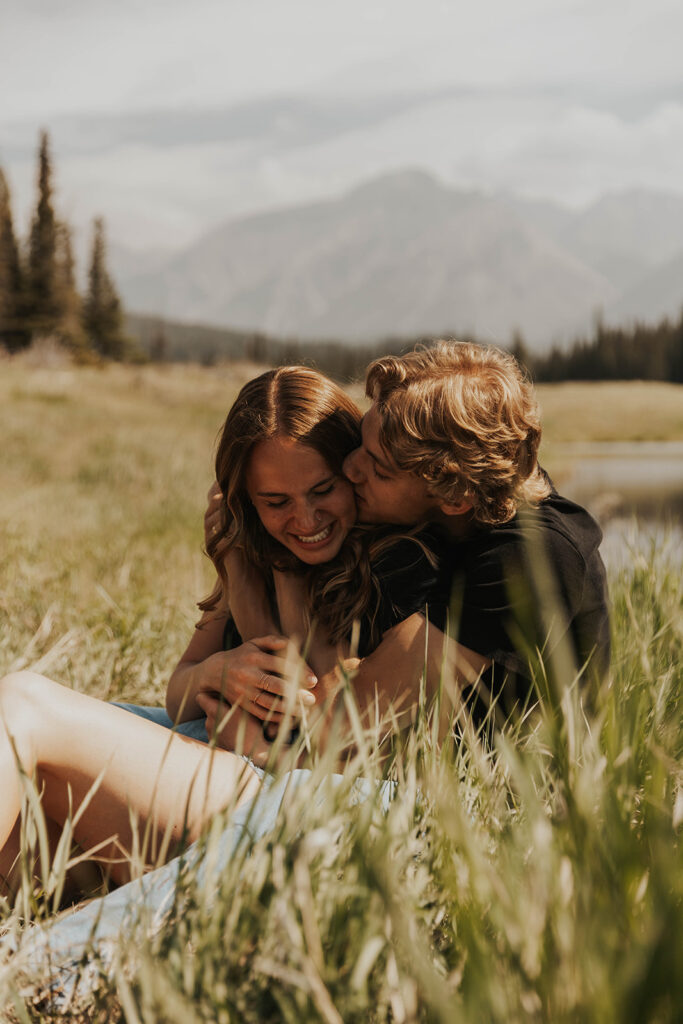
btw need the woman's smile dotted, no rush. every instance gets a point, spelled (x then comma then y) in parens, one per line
(316, 538)
(300, 500)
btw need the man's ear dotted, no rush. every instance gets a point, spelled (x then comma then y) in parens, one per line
(458, 508)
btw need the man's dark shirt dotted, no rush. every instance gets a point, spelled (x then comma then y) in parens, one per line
(533, 585)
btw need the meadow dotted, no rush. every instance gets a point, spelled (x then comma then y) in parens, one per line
(535, 880)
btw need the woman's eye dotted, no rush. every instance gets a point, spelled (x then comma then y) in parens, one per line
(276, 504)
(325, 490)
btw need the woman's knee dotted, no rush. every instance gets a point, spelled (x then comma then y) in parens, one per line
(23, 688)
(24, 699)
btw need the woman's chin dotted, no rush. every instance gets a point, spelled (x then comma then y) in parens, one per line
(318, 557)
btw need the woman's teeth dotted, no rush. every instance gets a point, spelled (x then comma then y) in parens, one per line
(315, 538)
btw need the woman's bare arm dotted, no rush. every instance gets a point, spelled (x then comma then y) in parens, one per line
(321, 654)
(250, 676)
(249, 605)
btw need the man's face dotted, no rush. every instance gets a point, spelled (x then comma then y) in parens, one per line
(385, 493)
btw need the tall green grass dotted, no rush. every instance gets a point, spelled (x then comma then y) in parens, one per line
(537, 879)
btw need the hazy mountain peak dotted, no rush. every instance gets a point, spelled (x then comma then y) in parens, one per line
(405, 180)
(405, 254)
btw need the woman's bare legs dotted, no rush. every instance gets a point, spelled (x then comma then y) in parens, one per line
(157, 780)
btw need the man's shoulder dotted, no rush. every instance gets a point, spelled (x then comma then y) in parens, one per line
(562, 529)
(565, 526)
(558, 521)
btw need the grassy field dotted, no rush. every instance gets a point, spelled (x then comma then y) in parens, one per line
(540, 881)
(611, 411)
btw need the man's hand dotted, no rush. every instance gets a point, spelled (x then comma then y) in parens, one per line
(213, 516)
(234, 729)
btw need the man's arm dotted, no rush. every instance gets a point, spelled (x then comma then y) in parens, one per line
(387, 682)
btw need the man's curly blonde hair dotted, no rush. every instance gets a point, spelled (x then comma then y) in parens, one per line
(464, 418)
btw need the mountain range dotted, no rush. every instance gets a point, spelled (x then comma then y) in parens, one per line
(404, 255)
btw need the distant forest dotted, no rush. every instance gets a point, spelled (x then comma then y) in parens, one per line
(637, 352)
(38, 299)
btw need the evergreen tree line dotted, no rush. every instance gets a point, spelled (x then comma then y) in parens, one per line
(338, 359)
(168, 341)
(636, 352)
(38, 294)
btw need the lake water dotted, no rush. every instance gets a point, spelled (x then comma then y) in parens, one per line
(635, 491)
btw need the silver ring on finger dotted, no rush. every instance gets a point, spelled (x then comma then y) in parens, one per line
(262, 685)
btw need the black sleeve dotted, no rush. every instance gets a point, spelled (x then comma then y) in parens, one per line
(489, 603)
(505, 595)
(408, 577)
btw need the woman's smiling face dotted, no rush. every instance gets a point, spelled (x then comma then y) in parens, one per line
(301, 502)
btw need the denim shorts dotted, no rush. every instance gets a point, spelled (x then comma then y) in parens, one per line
(195, 729)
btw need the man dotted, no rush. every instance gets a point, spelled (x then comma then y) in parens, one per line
(452, 437)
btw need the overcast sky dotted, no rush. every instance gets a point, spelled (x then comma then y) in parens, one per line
(563, 99)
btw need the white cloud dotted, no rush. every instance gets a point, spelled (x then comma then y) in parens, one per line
(547, 78)
(83, 55)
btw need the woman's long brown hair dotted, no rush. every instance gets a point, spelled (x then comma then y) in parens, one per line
(301, 405)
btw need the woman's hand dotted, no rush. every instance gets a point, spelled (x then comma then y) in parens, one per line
(264, 676)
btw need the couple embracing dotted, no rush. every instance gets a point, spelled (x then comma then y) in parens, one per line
(422, 539)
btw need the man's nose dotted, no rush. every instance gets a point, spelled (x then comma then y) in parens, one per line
(352, 466)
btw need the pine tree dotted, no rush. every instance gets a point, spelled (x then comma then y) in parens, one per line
(102, 314)
(520, 351)
(44, 302)
(13, 334)
(70, 330)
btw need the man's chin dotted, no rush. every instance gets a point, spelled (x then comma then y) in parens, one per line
(365, 515)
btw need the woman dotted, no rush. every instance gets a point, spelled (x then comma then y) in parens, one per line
(289, 513)
(285, 542)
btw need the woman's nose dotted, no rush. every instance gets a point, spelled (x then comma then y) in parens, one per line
(306, 517)
(351, 467)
